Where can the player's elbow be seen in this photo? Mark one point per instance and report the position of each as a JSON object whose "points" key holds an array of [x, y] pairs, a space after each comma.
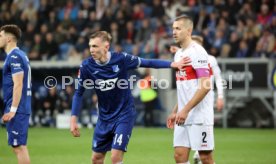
{"points": [[208, 88], [206, 85]]}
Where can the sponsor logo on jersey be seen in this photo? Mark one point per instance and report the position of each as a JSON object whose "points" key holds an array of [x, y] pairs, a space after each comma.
{"points": [[16, 64], [202, 61], [133, 57], [204, 145], [13, 56], [115, 68], [106, 85]]}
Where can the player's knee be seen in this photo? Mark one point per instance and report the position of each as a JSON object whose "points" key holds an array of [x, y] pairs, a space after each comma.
{"points": [[178, 157], [116, 159], [22, 154], [206, 157], [17, 150], [97, 159]]}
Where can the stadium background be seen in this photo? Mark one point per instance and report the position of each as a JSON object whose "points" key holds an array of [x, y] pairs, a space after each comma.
{"points": [[240, 33]]}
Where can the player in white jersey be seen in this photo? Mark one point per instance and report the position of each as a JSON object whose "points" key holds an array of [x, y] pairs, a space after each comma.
{"points": [[215, 72], [215, 75], [193, 116]]}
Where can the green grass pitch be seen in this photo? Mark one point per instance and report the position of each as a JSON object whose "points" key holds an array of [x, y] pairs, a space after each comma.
{"points": [[147, 146]]}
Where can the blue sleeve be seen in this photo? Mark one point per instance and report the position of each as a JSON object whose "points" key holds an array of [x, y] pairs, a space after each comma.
{"points": [[16, 64], [77, 98], [131, 61], [155, 63]]}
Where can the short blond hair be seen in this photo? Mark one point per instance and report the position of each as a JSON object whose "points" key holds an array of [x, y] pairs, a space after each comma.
{"points": [[104, 35], [187, 19]]}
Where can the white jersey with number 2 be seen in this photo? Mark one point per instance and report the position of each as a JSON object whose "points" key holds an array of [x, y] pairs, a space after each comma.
{"points": [[187, 84]]}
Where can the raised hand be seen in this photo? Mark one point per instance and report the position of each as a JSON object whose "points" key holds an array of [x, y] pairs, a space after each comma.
{"points": [[182, 63]]}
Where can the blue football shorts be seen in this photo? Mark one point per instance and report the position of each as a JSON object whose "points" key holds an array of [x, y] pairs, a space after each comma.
{"points": [[115, 135], [17, 129]]}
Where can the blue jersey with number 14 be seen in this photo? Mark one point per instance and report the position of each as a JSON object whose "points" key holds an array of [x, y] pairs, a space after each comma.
{"points": [[17, 62]]}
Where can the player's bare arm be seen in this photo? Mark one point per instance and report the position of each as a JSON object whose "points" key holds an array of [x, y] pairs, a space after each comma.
{"points": [[204, 88], [171, 117], [17, 93]]}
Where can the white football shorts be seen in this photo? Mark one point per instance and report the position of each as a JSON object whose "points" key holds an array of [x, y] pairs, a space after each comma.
{"points": [[196, 137]]}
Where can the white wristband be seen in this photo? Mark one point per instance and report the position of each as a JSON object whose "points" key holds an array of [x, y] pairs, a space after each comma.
{"points": [[13, 109], [220, 96]]}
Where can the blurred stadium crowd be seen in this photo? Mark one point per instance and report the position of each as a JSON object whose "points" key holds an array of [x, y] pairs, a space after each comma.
{"points": [[59, 30]]}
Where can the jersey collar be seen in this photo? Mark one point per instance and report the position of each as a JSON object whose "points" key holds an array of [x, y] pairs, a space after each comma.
{"points": [[12, 50], [108, 56]]}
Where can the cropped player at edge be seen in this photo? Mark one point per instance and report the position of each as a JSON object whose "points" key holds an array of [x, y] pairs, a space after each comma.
{"points": [[16, 92], [116, 106]]}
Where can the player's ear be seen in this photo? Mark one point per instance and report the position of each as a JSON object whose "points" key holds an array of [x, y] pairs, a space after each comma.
{"points": [[190, 30], [107, 46], [9, 38]]}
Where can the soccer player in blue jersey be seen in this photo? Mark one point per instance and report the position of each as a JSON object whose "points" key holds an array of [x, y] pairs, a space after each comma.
{"points": [[16, 91], [107, 70]]}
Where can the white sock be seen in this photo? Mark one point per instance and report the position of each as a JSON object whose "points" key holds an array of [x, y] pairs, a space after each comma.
{"points": [[120, 162], [196, 155]]}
